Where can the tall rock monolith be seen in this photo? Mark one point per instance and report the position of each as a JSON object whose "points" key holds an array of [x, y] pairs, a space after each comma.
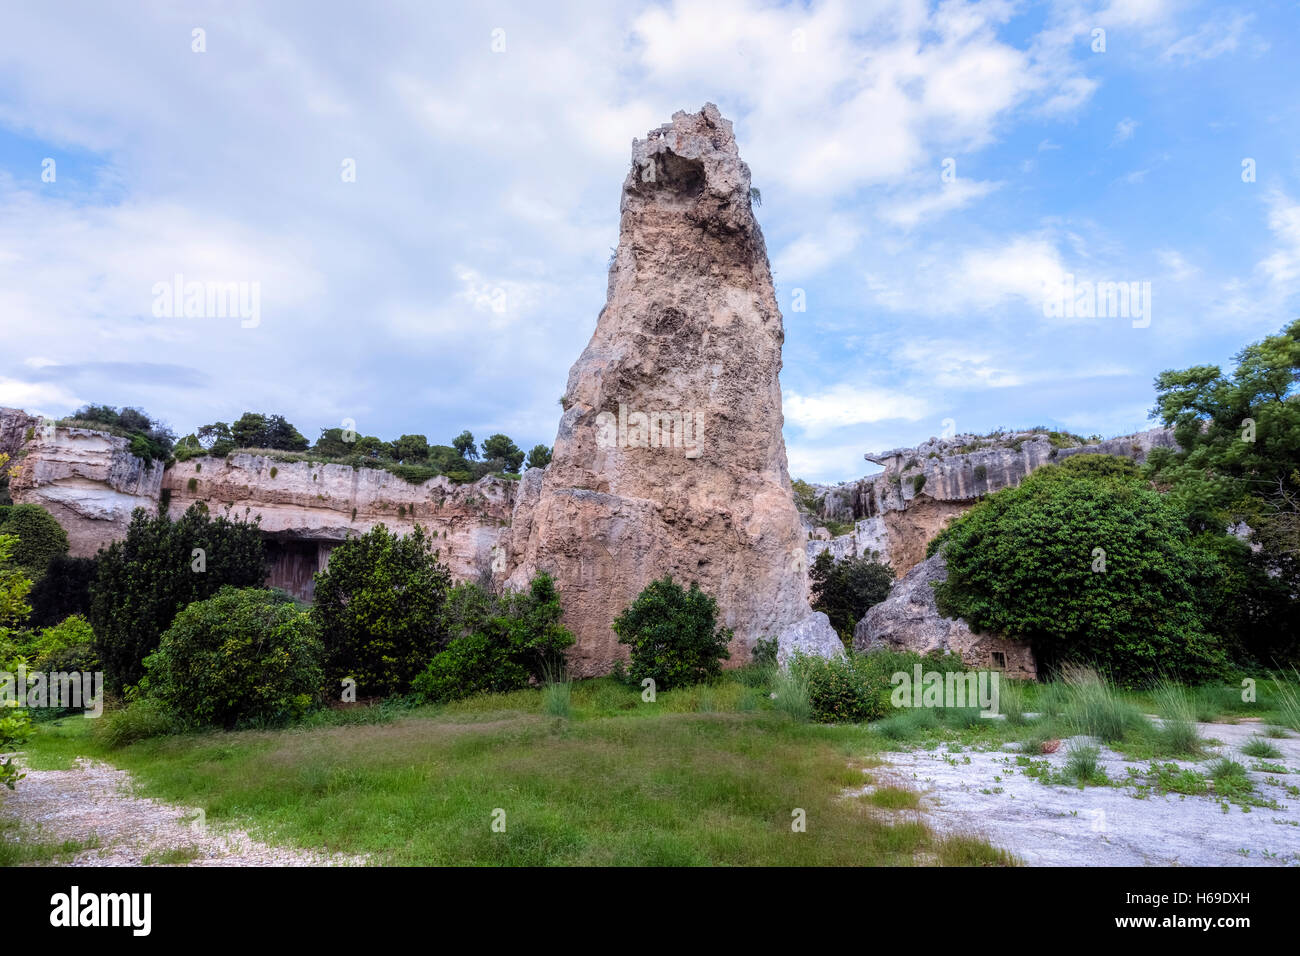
{"points": [[669, 457]]}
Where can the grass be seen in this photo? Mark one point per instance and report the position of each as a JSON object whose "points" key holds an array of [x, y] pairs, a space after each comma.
{"points": [[704, 776], [176, 856], [1096, 709], [1177, 732], [24, 851], [1081, 766], [1288, 701], [1259, 747], [894, 798]]}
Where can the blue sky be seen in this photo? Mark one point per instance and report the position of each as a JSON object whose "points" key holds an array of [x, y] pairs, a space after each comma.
{"points": [[455, 281]]}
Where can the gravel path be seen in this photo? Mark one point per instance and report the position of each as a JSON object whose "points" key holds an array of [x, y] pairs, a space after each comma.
{"points": [[988, 794], [95, 805]]}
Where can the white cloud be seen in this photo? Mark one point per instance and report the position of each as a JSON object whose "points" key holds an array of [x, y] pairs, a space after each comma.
{"points": [[1124, 130], [948, 198], [1215, 37], [847, 404]]}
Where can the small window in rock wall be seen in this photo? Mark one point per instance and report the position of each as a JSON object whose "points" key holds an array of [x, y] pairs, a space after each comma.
{"points": [[999, 660]]}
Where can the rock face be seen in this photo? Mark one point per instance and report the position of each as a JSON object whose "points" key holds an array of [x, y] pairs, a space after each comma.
{"points": [[91, 483], [669, 457], [307, 508], [896, 512], [88, 480], [909, 619], [812, 636]]}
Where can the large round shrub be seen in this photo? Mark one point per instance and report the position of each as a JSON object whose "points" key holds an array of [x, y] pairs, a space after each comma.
{"points": [[244, 656], [1087, 563], [379, 607], [41, 539], [673, 635]]}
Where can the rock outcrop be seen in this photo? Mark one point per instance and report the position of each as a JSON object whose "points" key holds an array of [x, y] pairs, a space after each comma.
{"points": [[307, 508], [669, 457], [811, 636], [91, 483], [909, 619], [88, 480], [896, 512]]}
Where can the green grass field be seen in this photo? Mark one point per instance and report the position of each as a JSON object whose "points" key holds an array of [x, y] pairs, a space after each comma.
{"points": [[706, 775]]}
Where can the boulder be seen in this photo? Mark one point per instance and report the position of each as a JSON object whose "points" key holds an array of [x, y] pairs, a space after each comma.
{"points": [[812, 636], [909, 619]]}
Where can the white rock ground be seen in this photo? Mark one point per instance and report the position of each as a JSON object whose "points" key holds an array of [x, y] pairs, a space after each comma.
{"points": [[94, 803], [986, 793]]}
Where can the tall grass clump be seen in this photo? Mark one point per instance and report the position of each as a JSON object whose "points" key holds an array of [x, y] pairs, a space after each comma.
{"points": [[1081, 763], [1096, 709], [1011, 701], [1288, 700], [790, 692], [557, 694], [1177, 709]]}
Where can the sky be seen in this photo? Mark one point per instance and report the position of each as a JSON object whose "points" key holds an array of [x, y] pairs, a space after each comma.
{"points": [[423, 198]]}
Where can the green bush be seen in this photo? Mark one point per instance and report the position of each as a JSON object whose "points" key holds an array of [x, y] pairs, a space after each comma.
{"points": [[67, 646], [845, 590], [673, 635], [147, 577], [241, 657], [41, 539], [15, 726], [498, 644], [63, 591], [1021, 563], [379, 607], [841, 690]]}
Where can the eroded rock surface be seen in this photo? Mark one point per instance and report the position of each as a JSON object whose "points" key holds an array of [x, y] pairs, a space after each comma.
{"points": [[669, 457], [909, 619]]}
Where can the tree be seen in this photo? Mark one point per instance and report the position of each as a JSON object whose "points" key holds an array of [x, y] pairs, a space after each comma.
{"points": [[411, 448], [379, 607], [1087, 563], [41, 538], [63, 591], [673, 635], [159, 567], [500, 448], [1237, 464], [464, 445], [539, 457], [845, 590], [217, 439], [255, 430], [331, 444]]}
